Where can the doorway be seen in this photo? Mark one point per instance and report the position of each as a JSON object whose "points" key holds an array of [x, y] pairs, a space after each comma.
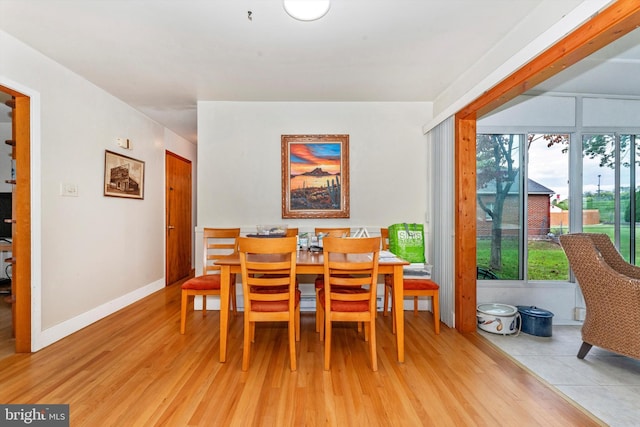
{"points": [[178, 217]]}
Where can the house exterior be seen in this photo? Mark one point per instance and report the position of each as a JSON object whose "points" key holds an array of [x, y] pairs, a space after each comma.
{"points": [[538, 205]]}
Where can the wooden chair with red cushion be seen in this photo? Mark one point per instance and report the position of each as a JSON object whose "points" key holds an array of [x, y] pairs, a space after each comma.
{"points": [[350, 289], [269, 287], [319, 282], [417, 287], [217, 242], [413, 287]]}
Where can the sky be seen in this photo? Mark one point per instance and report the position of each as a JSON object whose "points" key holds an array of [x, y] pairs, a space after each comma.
{"points": [[549, 166], [304, 157]]}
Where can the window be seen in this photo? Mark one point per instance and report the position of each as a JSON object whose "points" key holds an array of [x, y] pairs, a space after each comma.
{"points": [[522, 209], [611, 196], [499, 197]]}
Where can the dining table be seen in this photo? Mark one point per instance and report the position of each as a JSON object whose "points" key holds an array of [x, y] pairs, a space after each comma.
{"points": [[310, 262]]}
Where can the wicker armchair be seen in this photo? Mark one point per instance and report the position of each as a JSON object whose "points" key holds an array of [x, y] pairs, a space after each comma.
{"points": [[612, 298], [611, 255]]}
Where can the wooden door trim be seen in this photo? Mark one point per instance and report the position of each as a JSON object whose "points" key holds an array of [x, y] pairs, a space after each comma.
{"points": [[615, 21], [21, 246]]}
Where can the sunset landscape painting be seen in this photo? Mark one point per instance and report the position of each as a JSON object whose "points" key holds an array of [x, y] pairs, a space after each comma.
{"points": [[315, 176]]}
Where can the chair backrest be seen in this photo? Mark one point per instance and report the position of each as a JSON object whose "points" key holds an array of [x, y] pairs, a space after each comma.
{"points": [[268, 265], [218, 242], [292, 232], [588, 265], [334, 232], [384, 238], [351, 263], [611, 255]]}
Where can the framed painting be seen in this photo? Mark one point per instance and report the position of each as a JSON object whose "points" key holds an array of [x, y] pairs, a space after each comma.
{"points": [[315, 176], [123, 176]]}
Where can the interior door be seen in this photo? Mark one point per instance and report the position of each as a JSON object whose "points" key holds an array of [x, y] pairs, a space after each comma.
{"points": [[178, 217]]}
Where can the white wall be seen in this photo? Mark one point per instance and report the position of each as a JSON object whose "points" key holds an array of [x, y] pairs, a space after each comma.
{"points": [[91, 254], [240, 165]]}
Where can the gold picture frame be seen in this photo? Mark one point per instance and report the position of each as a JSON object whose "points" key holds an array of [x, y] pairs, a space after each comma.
{"points": [[315, 176], [123, 176]]}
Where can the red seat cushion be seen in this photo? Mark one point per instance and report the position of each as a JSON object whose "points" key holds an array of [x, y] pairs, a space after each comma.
{"points": [[420, 285], [206, 282], [346, 306], [274, 306]]}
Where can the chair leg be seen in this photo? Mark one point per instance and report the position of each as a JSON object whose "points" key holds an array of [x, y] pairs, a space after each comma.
{"points": [[234, 303], [320, 324], [319, 318], [297, 323], [204, 305], [327, 343], [372, 344], [435, 306], [415, 306], [584, 349], [393, 313], [183, 312], [246, 351], [386, 301], [292, 341]]}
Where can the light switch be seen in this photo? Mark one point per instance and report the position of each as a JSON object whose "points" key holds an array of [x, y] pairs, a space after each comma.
{"points": [[69, 190]]}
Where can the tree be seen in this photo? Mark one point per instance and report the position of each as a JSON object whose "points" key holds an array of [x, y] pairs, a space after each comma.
{"points": [[496, 166]]}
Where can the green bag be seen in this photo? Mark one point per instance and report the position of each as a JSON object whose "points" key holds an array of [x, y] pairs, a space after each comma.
{"points": [[407, 241]]}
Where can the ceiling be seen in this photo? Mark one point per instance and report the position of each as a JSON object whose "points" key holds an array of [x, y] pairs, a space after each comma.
{"points": [[163, 56]]}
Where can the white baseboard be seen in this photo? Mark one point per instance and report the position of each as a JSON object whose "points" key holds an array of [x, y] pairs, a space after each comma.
{"points": [[66, 328]]}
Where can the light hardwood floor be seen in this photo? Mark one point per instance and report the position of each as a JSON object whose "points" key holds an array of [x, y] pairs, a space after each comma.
{"points": [[7, 342], [135, 369]]}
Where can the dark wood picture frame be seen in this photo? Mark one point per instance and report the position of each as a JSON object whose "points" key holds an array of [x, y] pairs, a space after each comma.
{"points": [[123, 176], [315, 176]]}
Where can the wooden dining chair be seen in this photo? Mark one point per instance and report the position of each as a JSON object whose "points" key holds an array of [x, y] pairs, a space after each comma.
{"points": [[350, 289], [292, 232], [319, 281], [412, 287], [268, 283], [217, 242], [417, 287]]}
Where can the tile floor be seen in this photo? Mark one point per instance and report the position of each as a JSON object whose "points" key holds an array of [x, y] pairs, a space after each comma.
{"points": [[604, 383]]}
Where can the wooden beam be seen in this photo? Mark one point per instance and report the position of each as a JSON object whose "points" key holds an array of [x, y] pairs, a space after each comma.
{"points": [[465, 226], [612, 23], [22, 230]]}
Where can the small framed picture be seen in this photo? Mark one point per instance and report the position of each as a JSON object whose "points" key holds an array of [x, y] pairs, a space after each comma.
{"points": [[123, 176], [315, 176]]}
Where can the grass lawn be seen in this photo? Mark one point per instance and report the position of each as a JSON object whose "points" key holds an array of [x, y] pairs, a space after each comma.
{"points": [[547, 260]]}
